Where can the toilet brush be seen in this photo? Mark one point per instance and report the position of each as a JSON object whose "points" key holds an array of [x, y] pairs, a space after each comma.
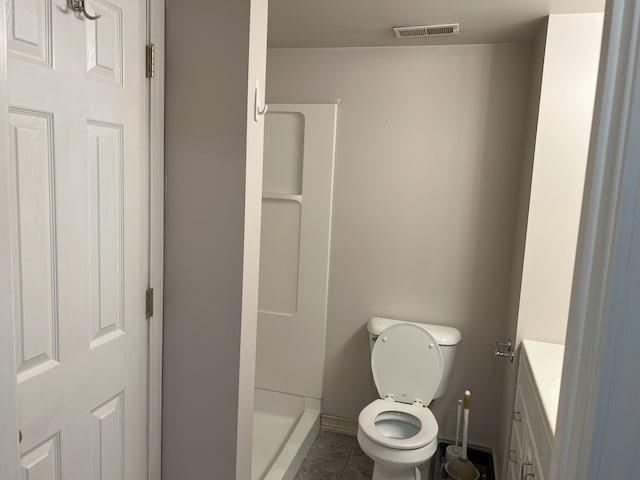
{"points": [[454, 451], [461, 468]]}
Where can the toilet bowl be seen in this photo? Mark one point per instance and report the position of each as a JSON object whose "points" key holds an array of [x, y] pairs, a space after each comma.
{"points": [[398, 431], [397, 437]]}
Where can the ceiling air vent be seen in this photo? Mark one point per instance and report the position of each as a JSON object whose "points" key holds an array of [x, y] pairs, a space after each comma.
{"points": [[427, 31]]}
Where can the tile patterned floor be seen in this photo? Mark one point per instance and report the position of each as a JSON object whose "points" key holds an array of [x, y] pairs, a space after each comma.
{"points": [[338, 457]]}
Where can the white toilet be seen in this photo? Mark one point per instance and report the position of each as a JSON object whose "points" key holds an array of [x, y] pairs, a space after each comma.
{"points": [[411, 365]]}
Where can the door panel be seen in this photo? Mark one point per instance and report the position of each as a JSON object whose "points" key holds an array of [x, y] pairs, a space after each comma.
{"points": [[79, 229], [515, 454], [104, 43], [43, 461], [30, 30], [104, 155], [107, 440], [36, 316]]}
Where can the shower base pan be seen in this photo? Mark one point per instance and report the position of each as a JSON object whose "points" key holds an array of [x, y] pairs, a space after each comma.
{"points": [[284, 428]]}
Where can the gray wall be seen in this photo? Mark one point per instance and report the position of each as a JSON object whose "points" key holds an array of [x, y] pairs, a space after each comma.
{"points": [[213, 168], [427, 180]]}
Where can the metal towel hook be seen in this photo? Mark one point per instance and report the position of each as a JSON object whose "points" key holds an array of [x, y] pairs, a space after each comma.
{"points": [[78, 7], [259, 111]]}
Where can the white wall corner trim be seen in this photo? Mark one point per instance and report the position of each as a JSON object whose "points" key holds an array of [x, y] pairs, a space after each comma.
{"points": [[8, 422], [257, 57], [600, 387]]}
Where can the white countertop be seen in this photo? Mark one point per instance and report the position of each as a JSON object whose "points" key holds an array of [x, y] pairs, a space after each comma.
{"points": [[545, 360]]}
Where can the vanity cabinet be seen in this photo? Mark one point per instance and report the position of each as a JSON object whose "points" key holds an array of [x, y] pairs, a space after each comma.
{"points": [[529, 454]]}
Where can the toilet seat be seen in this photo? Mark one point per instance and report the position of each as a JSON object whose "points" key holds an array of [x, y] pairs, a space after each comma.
{"points": [[427, 433]]}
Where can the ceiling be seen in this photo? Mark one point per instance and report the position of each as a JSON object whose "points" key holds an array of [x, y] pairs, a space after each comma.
{"points": [[356, 23]]}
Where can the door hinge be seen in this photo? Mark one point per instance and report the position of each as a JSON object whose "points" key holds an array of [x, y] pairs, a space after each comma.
{"points": [[150, 60], [149, 303]]}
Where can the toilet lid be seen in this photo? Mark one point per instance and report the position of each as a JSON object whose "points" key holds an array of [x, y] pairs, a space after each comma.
{"points": [[407, 363]]}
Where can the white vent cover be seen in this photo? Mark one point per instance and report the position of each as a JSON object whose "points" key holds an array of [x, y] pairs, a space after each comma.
{"points": [[427, 31]]}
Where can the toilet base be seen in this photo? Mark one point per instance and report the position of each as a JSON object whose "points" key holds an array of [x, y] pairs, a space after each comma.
{"points": [[392, 464], [380, 472]]}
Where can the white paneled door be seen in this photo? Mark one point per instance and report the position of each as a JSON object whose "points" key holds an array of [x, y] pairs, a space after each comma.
{"points": [[79, 229]]}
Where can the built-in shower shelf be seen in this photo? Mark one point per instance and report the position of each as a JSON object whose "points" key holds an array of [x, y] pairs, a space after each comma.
{"points": [[282, 196]]}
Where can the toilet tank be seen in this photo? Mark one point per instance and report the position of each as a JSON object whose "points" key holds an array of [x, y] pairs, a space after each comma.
{"points": [[448, 339]]}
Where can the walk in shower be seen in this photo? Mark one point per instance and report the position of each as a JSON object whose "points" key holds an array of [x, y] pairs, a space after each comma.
{"points": [[294, 273]]}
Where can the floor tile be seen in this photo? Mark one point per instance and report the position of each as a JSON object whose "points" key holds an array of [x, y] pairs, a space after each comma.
{"points": [[333, 447], [425, 470], [334, 456], [360, 460], [319, 469], [354, 472]]}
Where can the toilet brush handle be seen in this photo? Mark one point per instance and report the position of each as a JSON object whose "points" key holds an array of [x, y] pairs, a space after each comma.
{"points": [[465, 434], [458, 418], [465, 425]]}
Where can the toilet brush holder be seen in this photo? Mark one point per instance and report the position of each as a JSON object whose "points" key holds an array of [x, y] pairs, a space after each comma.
{"points": [[452, 452], [455, 451]]}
